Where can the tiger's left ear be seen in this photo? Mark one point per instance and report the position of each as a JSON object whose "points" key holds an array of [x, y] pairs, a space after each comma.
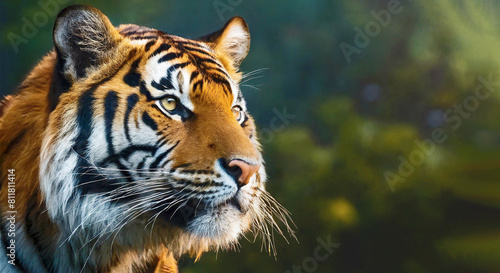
{"points": [[84, 38], [232, 40]]}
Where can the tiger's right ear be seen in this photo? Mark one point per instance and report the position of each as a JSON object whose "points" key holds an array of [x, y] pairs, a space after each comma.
{"points": [[83, 38]]}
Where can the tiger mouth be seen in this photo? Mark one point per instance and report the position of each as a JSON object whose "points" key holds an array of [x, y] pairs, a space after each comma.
{"points": [[184, 213], [234, 202]]}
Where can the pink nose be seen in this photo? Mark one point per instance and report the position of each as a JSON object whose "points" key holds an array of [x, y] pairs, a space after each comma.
{"points": [[247, 170]]}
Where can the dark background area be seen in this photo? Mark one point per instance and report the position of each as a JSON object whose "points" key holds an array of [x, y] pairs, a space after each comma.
{"points": [[350, 164]]}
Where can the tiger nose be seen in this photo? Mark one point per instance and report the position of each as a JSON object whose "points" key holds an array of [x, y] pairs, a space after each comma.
{"points": [[242, 170]]}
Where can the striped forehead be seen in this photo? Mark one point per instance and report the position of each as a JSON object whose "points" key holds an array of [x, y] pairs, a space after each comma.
{"points": [[181, 67], [163, 77]]}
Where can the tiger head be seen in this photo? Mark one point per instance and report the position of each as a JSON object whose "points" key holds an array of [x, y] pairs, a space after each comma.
{"points": [[149, 138]]}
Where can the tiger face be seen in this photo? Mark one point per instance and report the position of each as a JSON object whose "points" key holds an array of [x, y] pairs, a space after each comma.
{"points": [[149, 138]]}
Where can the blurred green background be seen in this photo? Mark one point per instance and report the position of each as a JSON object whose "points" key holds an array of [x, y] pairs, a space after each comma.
{"points": [[348, 160]]}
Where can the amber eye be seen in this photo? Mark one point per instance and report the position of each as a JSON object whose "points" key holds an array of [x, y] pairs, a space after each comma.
{"points": [[238, 113], [169, 104]]}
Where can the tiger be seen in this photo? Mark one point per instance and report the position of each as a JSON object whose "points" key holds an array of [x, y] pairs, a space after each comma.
{"points": [[127, 147]]}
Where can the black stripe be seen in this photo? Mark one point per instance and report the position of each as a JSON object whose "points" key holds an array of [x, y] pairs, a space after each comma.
{"points": [[87, 173], [102, 185], [225, 84], [143, 37], [219, 79], [197, 45], [127, 152], [160, 49], [244, 122], [84, 120], [131, 102], [218, 66], [59, 84], [149, 121], [240, 97], [207, 60], [162, 156], [199, 184], [139, 32], [205, 172], [123, 170], [170, 56], [212, 70], [141, 164], [144, 90], [110, 105], [166, 82], [176, 66], [148, 45], [199, 50], [162, 140], [198, 84], [193, 76], [132, 78]]}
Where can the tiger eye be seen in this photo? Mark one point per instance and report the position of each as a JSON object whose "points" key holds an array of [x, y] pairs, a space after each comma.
{"points": [[237, 112], [169, 104]]}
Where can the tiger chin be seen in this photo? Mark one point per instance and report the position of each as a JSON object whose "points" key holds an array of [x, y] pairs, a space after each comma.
{"points": [[130, 147]]}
